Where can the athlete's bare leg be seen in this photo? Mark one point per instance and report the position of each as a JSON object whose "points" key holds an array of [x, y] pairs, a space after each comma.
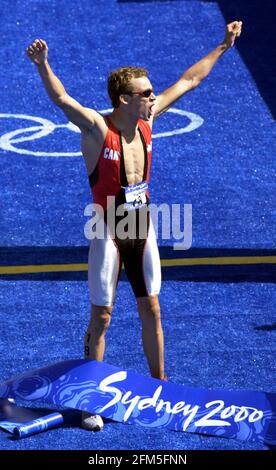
{"points": [[94, 346], [152, 334], [94, 342]]}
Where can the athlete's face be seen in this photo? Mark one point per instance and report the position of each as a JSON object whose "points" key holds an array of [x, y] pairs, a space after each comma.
{"points": [[141, 98]]}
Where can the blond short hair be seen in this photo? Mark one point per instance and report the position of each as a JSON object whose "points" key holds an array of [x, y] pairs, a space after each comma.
{"points": [[119, 80]]}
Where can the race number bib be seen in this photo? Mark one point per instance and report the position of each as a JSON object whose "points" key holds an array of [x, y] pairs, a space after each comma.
{"points": [[136, 196]]}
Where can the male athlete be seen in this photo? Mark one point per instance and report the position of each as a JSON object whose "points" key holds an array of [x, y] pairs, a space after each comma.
{"points": [[117, 153]]}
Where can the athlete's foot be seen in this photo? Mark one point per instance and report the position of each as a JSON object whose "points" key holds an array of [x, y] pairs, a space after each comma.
{"points": [[91, 422]]}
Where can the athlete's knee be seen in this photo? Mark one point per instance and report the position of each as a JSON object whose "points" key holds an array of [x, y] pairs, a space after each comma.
{"points": [[100, 319], [154, 312], [149, 309]]}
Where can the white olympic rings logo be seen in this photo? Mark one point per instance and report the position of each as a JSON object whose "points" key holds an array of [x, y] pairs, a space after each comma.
{"points": [[46, 127]]}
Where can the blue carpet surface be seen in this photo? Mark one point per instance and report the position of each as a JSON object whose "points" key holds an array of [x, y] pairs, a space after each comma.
{"points": [[217, 336]]}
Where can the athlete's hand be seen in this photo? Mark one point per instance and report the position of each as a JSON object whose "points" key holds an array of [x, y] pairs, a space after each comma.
{"points": [[233, 31], [37, 51]]}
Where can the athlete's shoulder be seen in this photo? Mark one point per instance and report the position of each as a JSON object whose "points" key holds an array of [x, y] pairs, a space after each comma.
{"points": [[98, 120], [146, 126], [95, 115]]}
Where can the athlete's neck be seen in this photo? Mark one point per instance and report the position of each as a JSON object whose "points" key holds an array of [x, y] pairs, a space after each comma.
{"points": [[125, 123]]}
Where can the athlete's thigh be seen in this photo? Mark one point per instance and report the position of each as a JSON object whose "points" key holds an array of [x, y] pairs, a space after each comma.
{"points": [[151, 263], [142, 265], [103, 270]]}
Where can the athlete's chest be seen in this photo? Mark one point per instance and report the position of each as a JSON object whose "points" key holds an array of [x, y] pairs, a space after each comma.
{"points": [[134, 157]]}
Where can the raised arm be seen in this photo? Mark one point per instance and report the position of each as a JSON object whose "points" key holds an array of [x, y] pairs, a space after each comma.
{"points": [[84, 118], [195, 74]]}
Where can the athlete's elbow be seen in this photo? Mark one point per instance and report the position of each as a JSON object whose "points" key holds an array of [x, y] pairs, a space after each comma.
{"points": [[60, 100], [189, 83], [195, 81]]}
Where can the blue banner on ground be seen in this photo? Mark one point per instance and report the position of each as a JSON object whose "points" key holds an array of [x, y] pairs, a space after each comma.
{"points": [[24, 422], [128, 397]]}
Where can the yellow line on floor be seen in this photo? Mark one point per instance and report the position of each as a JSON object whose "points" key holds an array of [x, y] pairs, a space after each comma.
{"points": [[43, 268], [229, 260], [219, 260]]}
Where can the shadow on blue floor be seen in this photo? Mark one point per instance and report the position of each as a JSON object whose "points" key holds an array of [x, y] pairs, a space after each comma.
{"points": [[255, 45]]}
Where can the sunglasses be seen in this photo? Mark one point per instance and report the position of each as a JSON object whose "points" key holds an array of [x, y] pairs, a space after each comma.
{"points": [[145, 94]]}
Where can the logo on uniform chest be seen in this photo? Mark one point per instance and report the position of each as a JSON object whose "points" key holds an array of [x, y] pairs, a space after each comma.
{"points": [[111, 154]]}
